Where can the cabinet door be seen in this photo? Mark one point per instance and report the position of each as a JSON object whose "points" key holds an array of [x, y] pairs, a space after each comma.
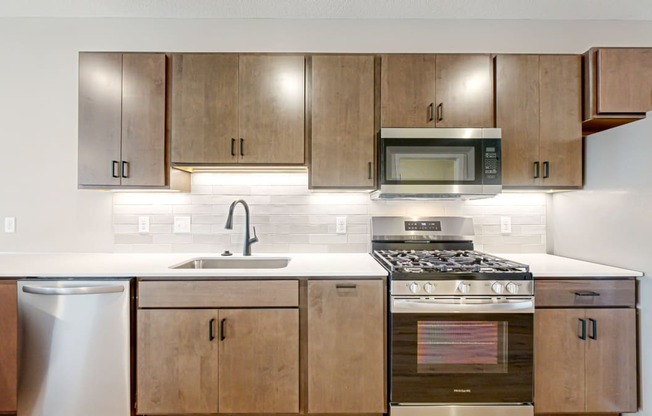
{"points": [[271, 109], [346, 355], [177, 361], [143, 119], [561, 120], [464, 91], [8, 346], [259, 361], [100, 115], [408, 90], [204, 108], [559, 383], [611, 361], [517, 114], [342, 119], [624, 80]]}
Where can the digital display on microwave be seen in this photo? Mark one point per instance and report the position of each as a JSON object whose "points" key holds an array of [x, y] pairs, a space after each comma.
{"points": [[422, 225]]}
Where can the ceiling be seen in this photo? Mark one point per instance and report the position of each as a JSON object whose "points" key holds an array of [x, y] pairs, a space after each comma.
{"points": [[335, 9]]}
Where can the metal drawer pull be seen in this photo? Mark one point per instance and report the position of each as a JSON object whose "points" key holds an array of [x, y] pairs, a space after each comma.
{"points": [[232, 146], [440, 112], [431, 112], [241, 146], [346, 286], [370, 165], [594, 329], [582, 334], [211, 329], [116, 169], [546, 169], [222, 324], [125, 169], [586, 293], [536, 170]]}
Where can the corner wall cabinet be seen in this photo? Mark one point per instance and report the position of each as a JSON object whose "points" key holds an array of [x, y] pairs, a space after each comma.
{"points": [[437, 91], [342, 124], [122, 107], [617, 87], [538, 108], [230, 108], [8, 346], [585, 346]]}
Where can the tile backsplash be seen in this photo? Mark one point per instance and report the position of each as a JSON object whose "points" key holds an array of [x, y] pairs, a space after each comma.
{"points": [[289, 218]]}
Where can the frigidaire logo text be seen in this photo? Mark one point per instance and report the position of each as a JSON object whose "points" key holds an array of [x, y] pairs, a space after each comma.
{"points": [[462, 390]]}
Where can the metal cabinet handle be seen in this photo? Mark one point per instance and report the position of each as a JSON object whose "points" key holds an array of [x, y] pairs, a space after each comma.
{"points": [[593, 334], [241, 146], [546, 169], [232, 146], [586, 293], [346, 286], [125, 169], [211, 329], [116, 169], [431, 112], [222, 324], [536, 170], [85, 290], [582, 334], [370, 167], [440, 112]]}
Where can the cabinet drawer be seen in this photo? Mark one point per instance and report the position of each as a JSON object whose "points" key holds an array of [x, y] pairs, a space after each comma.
{"points": [[585, 293], [218, 294]]}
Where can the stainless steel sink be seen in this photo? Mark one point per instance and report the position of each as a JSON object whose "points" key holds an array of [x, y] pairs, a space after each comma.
{"points": [[234, 263]]}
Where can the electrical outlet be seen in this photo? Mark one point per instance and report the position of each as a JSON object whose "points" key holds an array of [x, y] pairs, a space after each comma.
{"points": [[10, 224], [143, 225], [181, 225], [340, 225], [505, 225]]}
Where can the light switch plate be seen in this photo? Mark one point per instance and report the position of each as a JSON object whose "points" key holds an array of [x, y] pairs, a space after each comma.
{"points": [[505, 225], [10, 224], [340, 225], [181, 225], [143, 225]]}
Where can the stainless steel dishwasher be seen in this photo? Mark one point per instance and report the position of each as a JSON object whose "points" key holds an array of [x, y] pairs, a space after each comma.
{"points": [[74, 348]]}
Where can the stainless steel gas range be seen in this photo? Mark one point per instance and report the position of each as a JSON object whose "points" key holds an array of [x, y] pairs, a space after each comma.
{"points": [[461, 321]]}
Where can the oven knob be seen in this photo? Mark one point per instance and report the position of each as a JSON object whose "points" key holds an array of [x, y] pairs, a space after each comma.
{"points": [[414, 287], [464, 287], [429, 287], [497, 287], [512, 288]]}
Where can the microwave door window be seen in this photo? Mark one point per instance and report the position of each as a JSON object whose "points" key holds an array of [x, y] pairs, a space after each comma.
{"points": [[446, 164]]}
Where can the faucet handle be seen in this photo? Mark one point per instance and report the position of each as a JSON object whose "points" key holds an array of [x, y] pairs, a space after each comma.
{"points": [[255, 237]]}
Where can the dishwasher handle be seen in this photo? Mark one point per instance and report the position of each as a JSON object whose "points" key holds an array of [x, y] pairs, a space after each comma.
{"points": [[80, 290]]}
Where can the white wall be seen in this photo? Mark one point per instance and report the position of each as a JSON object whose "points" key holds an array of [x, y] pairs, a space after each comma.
{"points": [[38, 92], [610, 221]]}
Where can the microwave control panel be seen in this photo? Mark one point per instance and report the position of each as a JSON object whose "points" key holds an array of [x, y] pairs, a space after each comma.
{"points": [[492, 162]]}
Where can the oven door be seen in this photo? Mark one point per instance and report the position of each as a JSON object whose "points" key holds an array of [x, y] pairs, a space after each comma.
{"points": [[462, 351]]}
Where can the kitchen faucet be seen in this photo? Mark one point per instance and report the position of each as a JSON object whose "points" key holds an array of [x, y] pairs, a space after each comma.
{"points": [[229, 226]]}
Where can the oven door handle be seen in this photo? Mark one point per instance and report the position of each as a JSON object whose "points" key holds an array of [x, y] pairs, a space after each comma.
{"points": [[521, 305]]}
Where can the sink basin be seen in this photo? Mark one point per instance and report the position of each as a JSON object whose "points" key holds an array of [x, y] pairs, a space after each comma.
{"points": [[234, 263]]}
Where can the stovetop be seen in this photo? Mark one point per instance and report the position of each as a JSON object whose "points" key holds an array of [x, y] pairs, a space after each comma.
{"points": [[446, 264]]}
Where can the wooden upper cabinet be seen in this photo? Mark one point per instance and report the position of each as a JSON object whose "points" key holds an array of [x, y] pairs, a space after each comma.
{"points": [[464, 92], [342, 119], [122, 120], [538, 105], [346, 347], [8, 346], [437, 91], [230, 108], [271, 103], [617, 87], [204, 108]]}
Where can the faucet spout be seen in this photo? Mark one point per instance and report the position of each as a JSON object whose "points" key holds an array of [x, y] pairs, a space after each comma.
{"points": [[229, 226]]}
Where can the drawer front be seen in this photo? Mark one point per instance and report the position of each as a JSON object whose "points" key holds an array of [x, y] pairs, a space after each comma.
{"points": [[218, 294], [585, 293]]}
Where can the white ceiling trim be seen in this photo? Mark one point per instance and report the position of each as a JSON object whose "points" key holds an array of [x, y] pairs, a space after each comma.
{"points": [[334, 9]]}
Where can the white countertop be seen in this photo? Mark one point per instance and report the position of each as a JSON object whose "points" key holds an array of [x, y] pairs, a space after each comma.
{"points": [[547, 265], [358, 265]]}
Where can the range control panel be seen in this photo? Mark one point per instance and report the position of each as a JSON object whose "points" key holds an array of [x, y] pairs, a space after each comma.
{"points": [[422, 225]]}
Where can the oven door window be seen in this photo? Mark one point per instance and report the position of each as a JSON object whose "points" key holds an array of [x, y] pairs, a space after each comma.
{"points": [[432, 161], [461, 358]]}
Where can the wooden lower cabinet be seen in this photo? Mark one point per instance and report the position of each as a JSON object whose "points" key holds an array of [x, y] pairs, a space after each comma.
{"points": [[207, 361], [585, 360], [346, 346], [8, 345]]}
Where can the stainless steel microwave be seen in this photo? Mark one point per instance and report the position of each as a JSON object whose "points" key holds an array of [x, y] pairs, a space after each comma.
{"points": [[439, 163]]}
